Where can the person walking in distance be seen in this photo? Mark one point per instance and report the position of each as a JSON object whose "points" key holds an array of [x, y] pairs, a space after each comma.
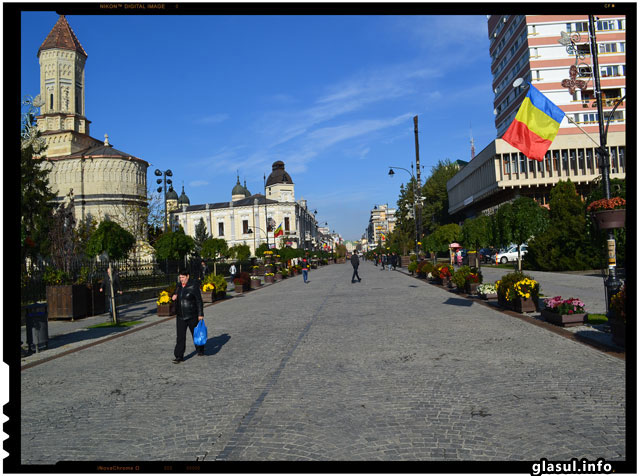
{"points": [[355, 262], [232, 271], [394, 260], [189, 310], [305, 268]]}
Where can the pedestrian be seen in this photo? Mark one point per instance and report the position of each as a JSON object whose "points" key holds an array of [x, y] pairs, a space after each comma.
{"points": [[389, 261], [394, 260], [355, 262], [189, 311], [305, 268], [232, 271], [459, 257], [204, 270], [106, 287], [383, 262]]}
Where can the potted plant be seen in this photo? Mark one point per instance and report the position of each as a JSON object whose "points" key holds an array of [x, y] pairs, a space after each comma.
{"points": [[459, 277], [255, 282], [617, 316], [269, 277], [284, 273], [472, 280], [608, 212], [221, 286], [518, 291], [443, 273], [487, 291], [65, 299], [563, 312], [208, 289], [412, 267], [166, 306]]}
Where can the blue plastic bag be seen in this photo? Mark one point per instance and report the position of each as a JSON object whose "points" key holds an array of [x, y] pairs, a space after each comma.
{"points": [[200, 333]]}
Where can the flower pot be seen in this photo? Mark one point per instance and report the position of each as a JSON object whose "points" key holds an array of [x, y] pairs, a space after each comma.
{"points": [[238, 288], [208, 296], [471, 288], [67, 301], [606, 219], [255, 283], [269, 279], [167, 310], [489, 297], [521, 304], [564, 320], [279, 276], [618, 331]]}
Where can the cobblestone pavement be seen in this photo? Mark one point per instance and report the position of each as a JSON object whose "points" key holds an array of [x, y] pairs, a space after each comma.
{"points": [[387, 369]]}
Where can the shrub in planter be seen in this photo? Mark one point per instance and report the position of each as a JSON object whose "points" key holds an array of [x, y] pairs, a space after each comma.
{"points": [[487, 291], [515, 287], [412, 267], [443, 272], [459, 277], [563, 312]]}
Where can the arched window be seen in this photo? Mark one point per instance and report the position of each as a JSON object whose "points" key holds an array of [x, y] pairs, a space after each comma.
{"points": [[51, 101]]}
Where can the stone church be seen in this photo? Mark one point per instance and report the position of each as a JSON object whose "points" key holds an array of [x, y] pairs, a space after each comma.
{"points": [[106, 182]]}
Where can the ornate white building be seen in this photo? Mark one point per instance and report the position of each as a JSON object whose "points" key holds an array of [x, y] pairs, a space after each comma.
{"points": [[106, 183], [245, 218]]}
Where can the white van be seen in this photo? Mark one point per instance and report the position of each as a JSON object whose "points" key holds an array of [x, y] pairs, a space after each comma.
{"points": [[511, 254]]}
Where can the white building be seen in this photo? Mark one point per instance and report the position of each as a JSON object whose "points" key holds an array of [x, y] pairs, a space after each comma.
{"points": [[382, 222], [252, 219], [526, 46]]}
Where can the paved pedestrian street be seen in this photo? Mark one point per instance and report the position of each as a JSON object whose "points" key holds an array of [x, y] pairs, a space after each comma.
{"points": [[387, 369]]}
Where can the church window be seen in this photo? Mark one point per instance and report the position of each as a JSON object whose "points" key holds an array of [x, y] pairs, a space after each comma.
{"points": [[51, 101], [245, 226], [286, 223], [221, 229]]}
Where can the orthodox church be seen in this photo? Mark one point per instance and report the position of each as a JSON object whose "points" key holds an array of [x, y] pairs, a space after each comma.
{"points": [[105, 182], [253, 219]]}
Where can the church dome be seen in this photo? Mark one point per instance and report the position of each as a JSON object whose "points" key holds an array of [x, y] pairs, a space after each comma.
{"points": [[183, 199], [278, 174], [172, 195], [238, 189], [247, 193]]}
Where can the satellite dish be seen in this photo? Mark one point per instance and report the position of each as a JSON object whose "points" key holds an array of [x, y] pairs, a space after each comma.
{"points": [[37, 101], [518, 82]]}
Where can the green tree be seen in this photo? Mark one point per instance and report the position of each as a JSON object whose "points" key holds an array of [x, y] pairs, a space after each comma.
{"points": [[435, 211], [112, 239], [173, 245], [214, 248], [476, 232], [201, 235], [36, 206], [527, 220], [563, 245], [240, 252], [501, 224], [261, 249], [443, 236]]}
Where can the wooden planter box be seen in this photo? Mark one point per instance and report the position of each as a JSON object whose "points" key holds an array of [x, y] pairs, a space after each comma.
{"points": [[67, 301], [489, 297], [521, 304], [239, 288], [220, 295], [606, 219], [208, 296], [167, 309], [269, 279], [279, 276], [255, 283], [471, 288], [564, 320]]}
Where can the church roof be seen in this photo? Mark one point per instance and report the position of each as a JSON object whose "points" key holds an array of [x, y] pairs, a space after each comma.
{"points": [[183, 199], [172, 194], [278, 174], [245, 202], [62, 37], [101, 151]]}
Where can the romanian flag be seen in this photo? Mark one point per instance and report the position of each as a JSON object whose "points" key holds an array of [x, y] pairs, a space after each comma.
{"points": [[279, 231], [535, 126]]}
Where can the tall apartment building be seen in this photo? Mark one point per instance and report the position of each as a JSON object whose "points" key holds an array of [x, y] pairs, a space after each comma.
{"points": [[528, 47], [382, 221]]}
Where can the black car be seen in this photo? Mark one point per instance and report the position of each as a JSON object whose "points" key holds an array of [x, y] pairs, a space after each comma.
{"points": [[487, 254]]}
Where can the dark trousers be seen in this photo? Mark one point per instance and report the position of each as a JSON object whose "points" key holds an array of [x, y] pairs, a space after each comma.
{"points": [[181, 333], [355, 275]]}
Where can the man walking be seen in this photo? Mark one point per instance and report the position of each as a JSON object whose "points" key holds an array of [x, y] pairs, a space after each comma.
{"points": [[305, 268], [355, 262], [189, 310]]}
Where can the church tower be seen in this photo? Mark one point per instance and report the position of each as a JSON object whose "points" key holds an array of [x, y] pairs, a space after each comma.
{"points": [[62, 118]]}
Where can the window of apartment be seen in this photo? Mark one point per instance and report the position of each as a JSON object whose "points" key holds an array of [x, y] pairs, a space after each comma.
{"points": [[606, 71], [589, 155], [603, 25], [581, 161], [523, 163], [286, 223], [617, 116], [221, 229], [579, 26], [608, 48], [506, 164], [621, 157], [547, 161], [565, 161], [590, 117], [613, 152], [540, 166], [622, 46], [556, 160], [584, 49], [245, 226], [514, 162]]}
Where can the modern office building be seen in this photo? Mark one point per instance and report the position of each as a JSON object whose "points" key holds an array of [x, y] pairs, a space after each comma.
{"points": [[528, 47]]}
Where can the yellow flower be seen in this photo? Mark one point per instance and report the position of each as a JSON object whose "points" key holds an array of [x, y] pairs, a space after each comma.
{"points": [[164, 298], [208, 287]]}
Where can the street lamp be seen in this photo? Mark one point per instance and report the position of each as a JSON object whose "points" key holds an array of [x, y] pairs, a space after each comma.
{"points": [[415, 200], [165, 180]]}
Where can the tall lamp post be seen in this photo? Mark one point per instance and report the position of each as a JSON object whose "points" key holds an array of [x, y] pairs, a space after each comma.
{"points": [[165, 180], [415, 199]]}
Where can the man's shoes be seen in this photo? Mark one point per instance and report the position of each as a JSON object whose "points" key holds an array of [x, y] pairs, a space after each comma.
{"points": [[359, 280], [201, 353], [178, 360]]}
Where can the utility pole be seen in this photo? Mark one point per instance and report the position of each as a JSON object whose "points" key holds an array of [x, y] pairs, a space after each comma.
{"points": [[419, 196]]}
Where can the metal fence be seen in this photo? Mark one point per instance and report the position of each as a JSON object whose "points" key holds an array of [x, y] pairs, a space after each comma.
{"points": [[134, 274]]}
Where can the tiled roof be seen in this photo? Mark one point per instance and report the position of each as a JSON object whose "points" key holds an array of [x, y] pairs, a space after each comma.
{"points": [[102, 151], [62, 36]]}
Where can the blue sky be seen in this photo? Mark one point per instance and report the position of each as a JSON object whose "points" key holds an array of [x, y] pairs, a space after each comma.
{"points": [[333, 97]]}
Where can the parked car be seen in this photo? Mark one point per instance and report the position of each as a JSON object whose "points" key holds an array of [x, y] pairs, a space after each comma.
{"points": [[487, 254], [510, 254]]}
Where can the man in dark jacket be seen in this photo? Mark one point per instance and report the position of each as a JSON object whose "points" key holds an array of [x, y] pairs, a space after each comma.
{"points": [[355, 262], [189, 310]]}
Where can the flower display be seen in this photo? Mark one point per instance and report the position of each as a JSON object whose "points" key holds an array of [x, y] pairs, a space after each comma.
{"points": [[472, 278], [487, 288], [443, 271], [618, 304], [607, 204], [564, 306], [525, 288], [517, 285], [164, 298], [269, 274], [208, 287]]}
